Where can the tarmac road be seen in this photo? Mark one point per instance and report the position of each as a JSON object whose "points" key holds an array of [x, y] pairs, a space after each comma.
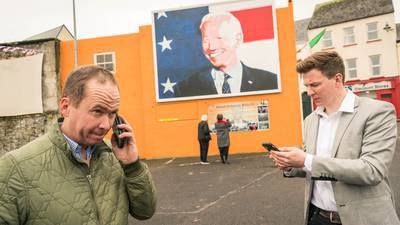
{"points": [[249, 191]]}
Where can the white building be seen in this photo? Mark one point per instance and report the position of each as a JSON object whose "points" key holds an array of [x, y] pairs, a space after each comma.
{"points": [[363, 32]]}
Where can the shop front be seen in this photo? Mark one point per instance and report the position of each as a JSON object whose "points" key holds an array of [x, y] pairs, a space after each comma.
{"points": [[381, 88]]}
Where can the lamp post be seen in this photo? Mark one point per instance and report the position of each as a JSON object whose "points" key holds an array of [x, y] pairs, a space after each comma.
{"points": [[75, 38]]}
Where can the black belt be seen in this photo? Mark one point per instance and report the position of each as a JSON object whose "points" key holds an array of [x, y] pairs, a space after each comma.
{"points": [[331, 215]]}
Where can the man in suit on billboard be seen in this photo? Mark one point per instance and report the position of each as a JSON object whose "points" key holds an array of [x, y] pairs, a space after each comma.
{"points": [[350, 142], [221, 36]]}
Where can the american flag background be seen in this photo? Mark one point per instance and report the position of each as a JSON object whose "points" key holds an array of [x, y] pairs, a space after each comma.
{"points": [[178, 46]]}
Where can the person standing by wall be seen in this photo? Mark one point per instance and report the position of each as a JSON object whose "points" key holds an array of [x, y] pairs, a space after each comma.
{"points": [[203, 133], [222, 126]]}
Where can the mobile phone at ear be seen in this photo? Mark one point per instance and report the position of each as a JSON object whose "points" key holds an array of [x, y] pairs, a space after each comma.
{"points": [[117, 131], [270, 147]]}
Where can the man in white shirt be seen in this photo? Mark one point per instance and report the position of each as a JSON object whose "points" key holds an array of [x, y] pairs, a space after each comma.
{"points": [[221, 37], [349, 146]]}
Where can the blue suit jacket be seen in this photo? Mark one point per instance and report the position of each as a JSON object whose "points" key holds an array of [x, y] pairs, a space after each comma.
{"points": [[201, 83]]}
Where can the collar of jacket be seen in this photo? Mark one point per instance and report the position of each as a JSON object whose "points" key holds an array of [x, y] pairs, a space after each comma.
{"points": [[57, 138]]}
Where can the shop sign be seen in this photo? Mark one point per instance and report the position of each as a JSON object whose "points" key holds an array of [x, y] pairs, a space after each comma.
{"points": [[370, 86]]}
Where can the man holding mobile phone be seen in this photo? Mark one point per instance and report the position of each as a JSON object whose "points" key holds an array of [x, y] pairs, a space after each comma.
{"points": [[71, 175], [350, 144]]}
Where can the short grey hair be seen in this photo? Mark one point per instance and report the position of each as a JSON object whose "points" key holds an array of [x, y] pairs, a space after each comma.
{"points": [[75, 85]]}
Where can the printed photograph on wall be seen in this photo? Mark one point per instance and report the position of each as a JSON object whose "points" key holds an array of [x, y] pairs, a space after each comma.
{"points": [[244, 116], [214, 51]]}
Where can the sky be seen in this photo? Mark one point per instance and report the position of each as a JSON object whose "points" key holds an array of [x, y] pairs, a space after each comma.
{"points": [[20, 19]]}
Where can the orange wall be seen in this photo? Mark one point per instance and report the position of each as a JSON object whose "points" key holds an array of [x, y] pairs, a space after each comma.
{"points": [[135, 73], [128, 63]]}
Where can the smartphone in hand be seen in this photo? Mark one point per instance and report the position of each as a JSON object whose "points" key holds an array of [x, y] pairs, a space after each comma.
{"points": [[117, 131], [270, 147]]}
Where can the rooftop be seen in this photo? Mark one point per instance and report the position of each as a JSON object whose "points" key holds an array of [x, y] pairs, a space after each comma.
{"points": [[339, 11], [61, 33]]}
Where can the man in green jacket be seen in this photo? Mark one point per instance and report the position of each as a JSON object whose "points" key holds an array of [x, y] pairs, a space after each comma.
{"points": [[70, 175]]}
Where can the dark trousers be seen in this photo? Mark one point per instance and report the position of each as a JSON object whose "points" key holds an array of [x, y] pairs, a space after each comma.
{"points": [[223, 153], [314, 218], [203, 150]]}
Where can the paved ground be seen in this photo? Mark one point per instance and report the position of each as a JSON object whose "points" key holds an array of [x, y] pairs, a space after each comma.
{"points": [[249, 191]]}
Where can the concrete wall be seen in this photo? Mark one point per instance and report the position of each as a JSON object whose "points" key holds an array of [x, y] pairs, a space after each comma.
{"points": [[16, 131]]}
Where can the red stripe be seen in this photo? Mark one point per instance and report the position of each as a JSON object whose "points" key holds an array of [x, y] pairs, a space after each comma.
{"points": [[257, 23]]}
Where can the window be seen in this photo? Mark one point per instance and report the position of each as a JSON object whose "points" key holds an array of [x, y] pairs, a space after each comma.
{"points": [[105, 60], [386, 96], [349, 35], [372, 30], [352, 67], [327, 40], [375, 64]]}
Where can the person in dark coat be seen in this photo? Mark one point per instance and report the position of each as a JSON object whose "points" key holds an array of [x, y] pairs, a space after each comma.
{"points": [[204, 137], [223, 126]]}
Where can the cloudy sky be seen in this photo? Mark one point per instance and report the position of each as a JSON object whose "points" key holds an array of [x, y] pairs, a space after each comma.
{"points": [[20, 19]]}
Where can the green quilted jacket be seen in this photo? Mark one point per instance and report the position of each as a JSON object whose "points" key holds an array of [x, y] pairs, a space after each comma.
{"points": [[43, 183]]}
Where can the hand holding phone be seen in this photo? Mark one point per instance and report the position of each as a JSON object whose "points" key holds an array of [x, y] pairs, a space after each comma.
{"points": [[270, 147], [117, 131]]}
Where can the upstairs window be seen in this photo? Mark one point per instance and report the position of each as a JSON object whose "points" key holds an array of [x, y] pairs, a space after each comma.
{"points": [[372, 31], [349, 37], [375, 64], [352, 67], [105, 60], [327, 40]]}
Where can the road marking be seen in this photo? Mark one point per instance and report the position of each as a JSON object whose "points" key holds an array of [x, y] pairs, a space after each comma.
{"points": [[189, 164], [232, 192], [219, 161], [169, 161]]}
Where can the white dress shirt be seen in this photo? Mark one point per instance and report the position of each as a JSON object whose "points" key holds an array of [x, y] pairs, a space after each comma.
{"points": [[323, 196], [235, 80]]}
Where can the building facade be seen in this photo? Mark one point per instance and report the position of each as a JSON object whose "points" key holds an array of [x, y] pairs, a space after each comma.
{"points": [[19, 129], [169, 129], [363, 32]]}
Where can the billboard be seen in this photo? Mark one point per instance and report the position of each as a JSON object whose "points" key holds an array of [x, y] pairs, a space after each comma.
{"points": [[218, 50], [244, 116]]}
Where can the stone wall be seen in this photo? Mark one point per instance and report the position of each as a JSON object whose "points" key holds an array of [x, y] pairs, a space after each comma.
{"points": [[16, 131]]}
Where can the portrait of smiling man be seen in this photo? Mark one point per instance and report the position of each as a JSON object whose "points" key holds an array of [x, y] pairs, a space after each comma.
{"points": [[222, 35]]}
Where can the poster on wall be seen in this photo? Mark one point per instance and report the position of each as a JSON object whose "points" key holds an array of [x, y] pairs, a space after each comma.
{"points": [[244, 116], [217, 50]]}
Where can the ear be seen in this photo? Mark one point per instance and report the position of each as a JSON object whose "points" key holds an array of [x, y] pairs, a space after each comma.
{"points": [[65, 104], [239, 39], [339, 78]]}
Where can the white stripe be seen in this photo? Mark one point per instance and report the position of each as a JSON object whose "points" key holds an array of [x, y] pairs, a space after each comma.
{"points": [[24, 73], [267, 57]]}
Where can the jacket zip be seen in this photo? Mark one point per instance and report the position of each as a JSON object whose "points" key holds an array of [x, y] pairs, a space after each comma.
{"points": [[89, 179]]}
